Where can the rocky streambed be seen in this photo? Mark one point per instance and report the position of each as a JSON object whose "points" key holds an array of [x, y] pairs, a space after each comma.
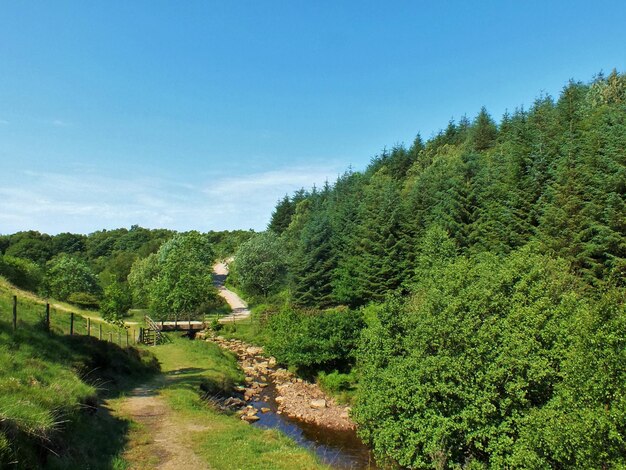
{"points": [[273, 397]]}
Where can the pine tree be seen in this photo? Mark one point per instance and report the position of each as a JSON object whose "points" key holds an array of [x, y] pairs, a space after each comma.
{"points": [[483, 132], [376, 263], [281, 217], [313, 262]]}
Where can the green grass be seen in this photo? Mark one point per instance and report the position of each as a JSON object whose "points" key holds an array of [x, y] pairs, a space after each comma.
{"points": [[248, 330], [342, 387], [225, 441], [136, 315], [49, 388], [190, 364], [31, 311]]}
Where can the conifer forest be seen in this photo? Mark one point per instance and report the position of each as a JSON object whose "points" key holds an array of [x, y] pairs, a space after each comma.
{"points": [[482, 274]]}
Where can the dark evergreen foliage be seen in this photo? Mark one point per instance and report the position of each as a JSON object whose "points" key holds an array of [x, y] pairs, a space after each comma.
{"points": [[554, 174], [491, 261]]}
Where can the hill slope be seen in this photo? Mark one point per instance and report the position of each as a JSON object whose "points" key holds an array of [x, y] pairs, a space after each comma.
{"points": [[50, 385]]}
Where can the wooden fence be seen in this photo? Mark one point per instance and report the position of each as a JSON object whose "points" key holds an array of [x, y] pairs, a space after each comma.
{"points": [[75, 324]]}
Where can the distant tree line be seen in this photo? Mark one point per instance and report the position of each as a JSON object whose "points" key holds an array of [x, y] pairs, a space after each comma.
{"points": [[93, 270]]}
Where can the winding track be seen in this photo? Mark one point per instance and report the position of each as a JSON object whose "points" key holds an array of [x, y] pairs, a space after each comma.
{"points": [[240, 308]]}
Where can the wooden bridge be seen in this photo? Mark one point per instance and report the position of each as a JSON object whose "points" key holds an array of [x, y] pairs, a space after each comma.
{"points": [[152, 333]]}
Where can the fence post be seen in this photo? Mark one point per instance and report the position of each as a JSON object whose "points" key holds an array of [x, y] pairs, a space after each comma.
{"points": [[110, 337], [127, 338], [134, 337], [88, 326], [71, 323], [119, 338], [141, 334], [14, 312], [47, 317], [100, 335]]}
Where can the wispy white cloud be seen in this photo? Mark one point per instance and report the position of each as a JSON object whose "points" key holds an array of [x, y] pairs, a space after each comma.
{"points": [[86, 201], [289, 178], [60, 123]]}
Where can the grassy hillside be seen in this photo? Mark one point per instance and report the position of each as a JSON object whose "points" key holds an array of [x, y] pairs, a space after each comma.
{"points": [[50, 384]]}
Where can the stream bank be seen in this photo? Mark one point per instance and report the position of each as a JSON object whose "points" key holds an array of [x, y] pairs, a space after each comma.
{"points": [[275, 398]]}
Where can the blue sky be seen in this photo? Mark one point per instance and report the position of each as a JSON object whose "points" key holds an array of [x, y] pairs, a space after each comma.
{"points": [[200, 115]]}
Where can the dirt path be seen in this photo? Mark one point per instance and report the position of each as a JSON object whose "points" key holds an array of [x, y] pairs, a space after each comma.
{"points": [[240, 308], [165, 443]]}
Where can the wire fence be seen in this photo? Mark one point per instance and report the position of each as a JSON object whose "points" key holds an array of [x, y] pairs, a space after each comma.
{"points": [[27, 314]]}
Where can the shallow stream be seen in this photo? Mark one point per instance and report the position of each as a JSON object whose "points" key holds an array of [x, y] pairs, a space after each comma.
{"points": [[341, 449]]}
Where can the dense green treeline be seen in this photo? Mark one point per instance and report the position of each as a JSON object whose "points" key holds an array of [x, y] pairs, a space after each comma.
{"points": [[553, 174], [485, 269], [94, 270]]}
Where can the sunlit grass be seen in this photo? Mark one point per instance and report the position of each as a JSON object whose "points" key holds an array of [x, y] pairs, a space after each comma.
{"points": [[223, 441], [49, 384]]}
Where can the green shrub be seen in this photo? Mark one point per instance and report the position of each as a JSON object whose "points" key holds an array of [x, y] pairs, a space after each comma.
{"points": [[22, 273], [84, 300], [315, 340], [495, 363], [336, 381], [215, 325], [341, 386]]}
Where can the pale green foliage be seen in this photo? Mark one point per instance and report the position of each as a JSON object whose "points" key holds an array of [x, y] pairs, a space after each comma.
{"points": [[177, 280], [435, 249], [66, 275], [495, 362], [142, 274], [260, 265], [116, 302]]}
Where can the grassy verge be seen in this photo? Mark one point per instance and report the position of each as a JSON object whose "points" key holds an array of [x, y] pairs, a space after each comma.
{"points": [[50, 384], [249, 330], [225, 442]]}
